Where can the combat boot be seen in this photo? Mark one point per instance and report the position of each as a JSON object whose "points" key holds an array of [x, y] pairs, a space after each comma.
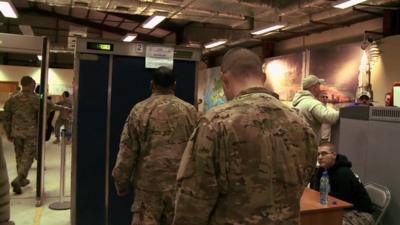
{"points": [[16, 186], [24, 182]]}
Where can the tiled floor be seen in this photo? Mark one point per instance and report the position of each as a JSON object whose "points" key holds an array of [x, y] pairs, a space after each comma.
{"points": [[23, 210]]}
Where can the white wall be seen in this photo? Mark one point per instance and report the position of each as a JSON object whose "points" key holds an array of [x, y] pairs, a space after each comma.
{"points": [[387, 69], [59, 80]]}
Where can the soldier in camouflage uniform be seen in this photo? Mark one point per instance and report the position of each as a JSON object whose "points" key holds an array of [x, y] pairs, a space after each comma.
{"points": [[65, 118], [249, 160], [21, 127], [152, 143]]}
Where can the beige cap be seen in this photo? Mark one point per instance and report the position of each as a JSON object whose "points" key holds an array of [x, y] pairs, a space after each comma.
{"points": [[364, 93], [311, 80]]}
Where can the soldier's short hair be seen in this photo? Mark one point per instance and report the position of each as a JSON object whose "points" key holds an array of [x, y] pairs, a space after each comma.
{"points": [[242, 62], [163, 77], [65, 94], [331, 146], [26, 81]]}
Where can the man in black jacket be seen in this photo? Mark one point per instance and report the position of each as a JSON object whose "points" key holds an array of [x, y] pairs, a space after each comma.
{"points": [[344, 185]]}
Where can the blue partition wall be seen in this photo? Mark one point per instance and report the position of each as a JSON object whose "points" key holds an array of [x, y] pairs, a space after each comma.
{"points": [[130, 84]]}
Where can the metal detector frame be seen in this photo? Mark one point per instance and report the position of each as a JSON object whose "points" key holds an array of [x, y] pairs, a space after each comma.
{"points": [[36, 46], [137, 49]]}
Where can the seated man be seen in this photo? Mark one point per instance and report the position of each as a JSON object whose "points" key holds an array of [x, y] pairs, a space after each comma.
{"points": [[344, 185]]}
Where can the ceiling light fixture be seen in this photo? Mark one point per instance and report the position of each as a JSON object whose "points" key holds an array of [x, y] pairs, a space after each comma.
{"points": [[347, 3], [264, 30], [129, 37], [8, 9], [215, 43], [154, 20], [26, 30]]}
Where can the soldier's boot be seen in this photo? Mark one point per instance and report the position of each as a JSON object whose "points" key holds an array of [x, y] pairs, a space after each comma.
{"points": [[24, 182], [16, 186], [57, 141]]}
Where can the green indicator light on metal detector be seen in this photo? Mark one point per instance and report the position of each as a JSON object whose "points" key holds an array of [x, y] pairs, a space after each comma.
{"points": [[105, 47]]}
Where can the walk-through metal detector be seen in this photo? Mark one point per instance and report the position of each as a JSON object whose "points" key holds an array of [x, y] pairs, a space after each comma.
{"points": [[36, 46], [110, 78]]}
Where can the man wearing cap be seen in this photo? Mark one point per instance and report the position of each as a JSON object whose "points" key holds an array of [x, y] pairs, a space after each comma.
{"points": [[311, 108], [364, 99]]}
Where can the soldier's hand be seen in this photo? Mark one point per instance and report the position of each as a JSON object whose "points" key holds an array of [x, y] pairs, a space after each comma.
{"points": [[122, 193]]}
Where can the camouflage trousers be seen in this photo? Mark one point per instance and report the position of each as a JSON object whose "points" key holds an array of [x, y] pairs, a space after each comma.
{"points": [[67, 126], [4, 190], [153, 208], [355, 217], [25, 152]]}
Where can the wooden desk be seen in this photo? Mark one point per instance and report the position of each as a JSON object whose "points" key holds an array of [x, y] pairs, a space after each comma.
{"points": [[313, 213]]}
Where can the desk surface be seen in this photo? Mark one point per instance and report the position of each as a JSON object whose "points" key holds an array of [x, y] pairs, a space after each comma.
{"points": [[309, 203]]}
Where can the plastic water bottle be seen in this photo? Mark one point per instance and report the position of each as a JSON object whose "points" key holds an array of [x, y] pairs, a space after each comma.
{"points": [[324, 188]]}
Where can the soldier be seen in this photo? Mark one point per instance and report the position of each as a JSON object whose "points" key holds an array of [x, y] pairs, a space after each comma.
{"points": [[65, 118], [249, 160], [20, 124], [152, 142]]}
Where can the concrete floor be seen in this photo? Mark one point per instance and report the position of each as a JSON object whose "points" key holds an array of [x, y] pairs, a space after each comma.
{"points": [[23, 210]]}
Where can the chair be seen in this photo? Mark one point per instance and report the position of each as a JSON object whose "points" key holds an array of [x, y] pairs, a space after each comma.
{"points": [[380, 197]]}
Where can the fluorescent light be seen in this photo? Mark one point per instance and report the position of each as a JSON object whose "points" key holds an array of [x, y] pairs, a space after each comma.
{"points": [[129, 37], [215, 43], [26, 30], [267, 29], [347, 3], [39, 57], [8, 9], [154, 20]]}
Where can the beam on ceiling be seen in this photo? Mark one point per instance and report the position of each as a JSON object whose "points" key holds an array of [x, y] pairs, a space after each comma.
{"points": [[367, 11], [333, 25], [88, 23], [383, 7], [165, 25]]}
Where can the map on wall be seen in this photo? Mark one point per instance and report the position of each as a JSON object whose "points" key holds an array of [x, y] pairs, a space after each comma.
{"points": [[210, 89], [284, 73]]}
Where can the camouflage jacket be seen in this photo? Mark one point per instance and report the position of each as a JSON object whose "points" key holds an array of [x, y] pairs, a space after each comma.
{"points": [[152, 143], [21, 115], [21, 111], [247, 162], [65, 114]]}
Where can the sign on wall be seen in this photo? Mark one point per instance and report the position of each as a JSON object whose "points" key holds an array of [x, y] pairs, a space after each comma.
{"points": [[157, 56]]}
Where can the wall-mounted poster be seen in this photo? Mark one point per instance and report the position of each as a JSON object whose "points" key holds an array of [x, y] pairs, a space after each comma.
{"points": [[340, 67], [210, 89], [285, 74]]}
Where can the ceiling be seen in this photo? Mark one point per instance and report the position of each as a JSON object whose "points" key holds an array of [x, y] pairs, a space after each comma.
{"points": [[190, 22]]}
